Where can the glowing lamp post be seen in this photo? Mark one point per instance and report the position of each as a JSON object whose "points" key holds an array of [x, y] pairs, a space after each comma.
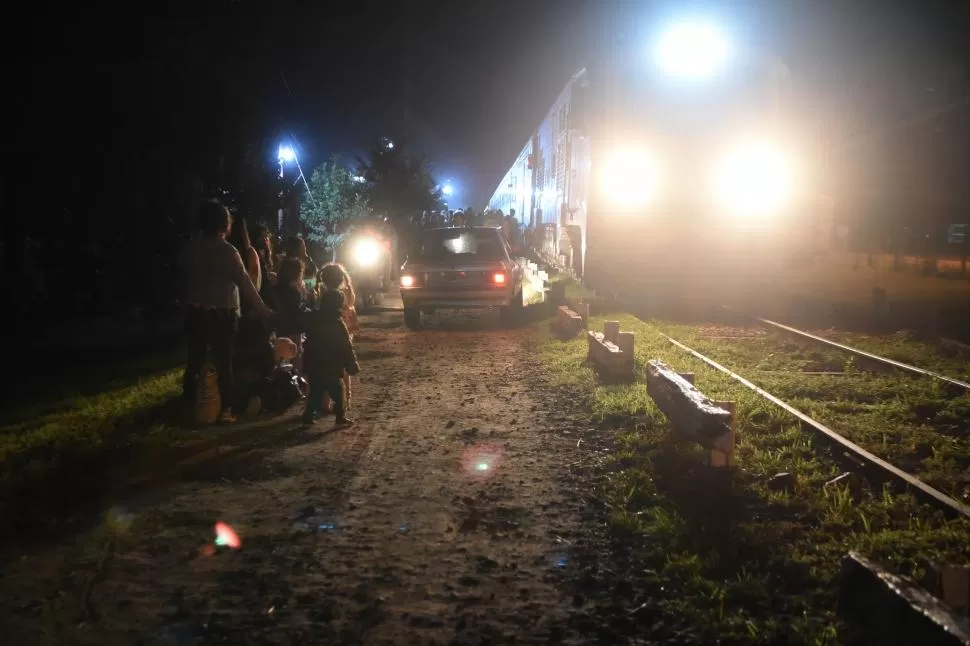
{"points": [[284, 155]]}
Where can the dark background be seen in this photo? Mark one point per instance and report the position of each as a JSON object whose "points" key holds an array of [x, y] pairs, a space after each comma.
{"points": [[121, 118]]}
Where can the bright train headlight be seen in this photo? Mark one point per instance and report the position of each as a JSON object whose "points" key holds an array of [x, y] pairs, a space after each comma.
{"points": [[366, 252], [629, 178], [754, 179]]}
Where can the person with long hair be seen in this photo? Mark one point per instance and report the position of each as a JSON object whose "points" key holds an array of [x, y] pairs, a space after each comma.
{"points": [[289, 299], [263, 244], [335, 278], [329, 358], [295, 247], [239, 238], [215, 277]]}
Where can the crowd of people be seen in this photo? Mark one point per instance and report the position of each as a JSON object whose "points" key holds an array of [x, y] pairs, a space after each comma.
{"points": [[244, 301]]}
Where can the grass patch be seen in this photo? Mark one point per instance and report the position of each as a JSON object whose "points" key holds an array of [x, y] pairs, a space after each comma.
{"points": [[950, 358], [915, 423], [575, 291], [77, 413], [729, 556]]}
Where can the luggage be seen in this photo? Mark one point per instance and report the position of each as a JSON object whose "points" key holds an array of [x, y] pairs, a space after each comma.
{"points": [[208, 403]]}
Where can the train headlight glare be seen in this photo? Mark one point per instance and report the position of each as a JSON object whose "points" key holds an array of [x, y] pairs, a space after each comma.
{"points": [[629, 178], [754, 179], [366, 252]]}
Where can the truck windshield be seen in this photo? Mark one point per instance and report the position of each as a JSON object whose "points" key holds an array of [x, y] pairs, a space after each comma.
{"points": [[444, 245]]}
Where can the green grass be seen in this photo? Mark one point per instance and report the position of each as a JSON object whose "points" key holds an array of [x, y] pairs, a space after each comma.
{"points": [[950, 358], [735, 559], [913, 422], [575, 291], [76, 413]]}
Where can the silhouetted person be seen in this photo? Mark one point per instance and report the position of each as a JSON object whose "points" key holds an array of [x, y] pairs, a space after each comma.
{"points": [[288, 295], [263, 244], [329, 354], [215, 276]]}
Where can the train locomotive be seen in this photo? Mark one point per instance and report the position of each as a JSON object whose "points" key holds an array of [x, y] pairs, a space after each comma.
{"points": [[672, 176]]}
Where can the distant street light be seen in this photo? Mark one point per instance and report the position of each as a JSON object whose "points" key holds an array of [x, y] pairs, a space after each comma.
{"points": [[286, 153]]}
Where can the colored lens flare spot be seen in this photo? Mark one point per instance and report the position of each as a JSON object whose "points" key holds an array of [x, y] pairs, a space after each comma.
{"points": [[226, 536], [481, 461]]}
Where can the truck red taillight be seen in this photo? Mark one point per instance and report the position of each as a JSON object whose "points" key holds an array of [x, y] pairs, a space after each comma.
{"points": [[499, 278]]}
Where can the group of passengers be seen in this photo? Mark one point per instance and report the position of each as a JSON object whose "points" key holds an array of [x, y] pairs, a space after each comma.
{"points": [[240, 297]]}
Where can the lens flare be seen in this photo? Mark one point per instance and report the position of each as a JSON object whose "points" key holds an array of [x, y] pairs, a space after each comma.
{"points": [[226, 536], [481, 461]]}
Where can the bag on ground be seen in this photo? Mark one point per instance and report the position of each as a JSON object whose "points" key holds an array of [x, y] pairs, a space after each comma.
{"points": [[208, 403]]}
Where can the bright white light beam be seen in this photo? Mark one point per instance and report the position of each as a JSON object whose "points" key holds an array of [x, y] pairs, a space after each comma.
{"points": [[692, 50]]}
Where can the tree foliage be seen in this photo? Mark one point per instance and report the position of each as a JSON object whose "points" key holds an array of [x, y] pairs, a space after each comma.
{"points": [[399, 184], [334, 199]]}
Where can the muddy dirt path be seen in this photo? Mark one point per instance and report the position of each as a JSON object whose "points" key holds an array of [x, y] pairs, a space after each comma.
{"points": [[442, 517]]}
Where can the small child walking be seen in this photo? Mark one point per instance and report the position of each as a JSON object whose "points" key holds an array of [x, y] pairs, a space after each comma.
{"points": [[334, 277], [328, 356]]}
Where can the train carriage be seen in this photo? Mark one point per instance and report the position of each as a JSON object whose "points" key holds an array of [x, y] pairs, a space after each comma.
{"points": [[671, 177]]}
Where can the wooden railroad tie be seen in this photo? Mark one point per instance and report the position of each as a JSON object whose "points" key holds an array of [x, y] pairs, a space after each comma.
{"points": [[896, 610], [692, 414]]}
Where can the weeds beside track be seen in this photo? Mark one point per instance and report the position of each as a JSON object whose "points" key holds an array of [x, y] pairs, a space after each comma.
{"points": [[743, 561]]}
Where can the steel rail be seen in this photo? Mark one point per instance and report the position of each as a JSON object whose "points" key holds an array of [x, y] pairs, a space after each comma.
{"points": [[859, 353], [929, 493], [868, 355]]}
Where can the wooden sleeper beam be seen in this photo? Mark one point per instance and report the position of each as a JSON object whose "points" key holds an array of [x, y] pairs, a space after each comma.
{"points": [[691, 413]]}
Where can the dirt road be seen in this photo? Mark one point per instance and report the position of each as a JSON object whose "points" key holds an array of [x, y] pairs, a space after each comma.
{"points": [[446, 515]]}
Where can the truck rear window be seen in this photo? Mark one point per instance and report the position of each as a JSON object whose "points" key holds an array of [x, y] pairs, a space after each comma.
{"points": [[450, 244]]}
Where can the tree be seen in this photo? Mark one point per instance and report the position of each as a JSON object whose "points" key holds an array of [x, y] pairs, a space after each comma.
{"points": [[334, 198], [399, 184]]}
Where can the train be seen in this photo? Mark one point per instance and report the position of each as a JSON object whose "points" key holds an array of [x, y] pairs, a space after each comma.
{"points": [[655, 178]]}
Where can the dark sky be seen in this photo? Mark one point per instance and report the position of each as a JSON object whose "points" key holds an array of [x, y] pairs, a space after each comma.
{"points": [[467, 80]]}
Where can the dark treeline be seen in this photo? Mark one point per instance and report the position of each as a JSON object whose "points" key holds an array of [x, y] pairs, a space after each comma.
{"points": [[124, 124]]}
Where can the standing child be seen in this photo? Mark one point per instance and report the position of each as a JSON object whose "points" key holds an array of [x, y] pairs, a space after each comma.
{"points": [[334, 277], [328, 356]]}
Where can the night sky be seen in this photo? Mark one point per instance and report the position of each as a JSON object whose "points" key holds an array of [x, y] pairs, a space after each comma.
{"points": [[465, 81]]}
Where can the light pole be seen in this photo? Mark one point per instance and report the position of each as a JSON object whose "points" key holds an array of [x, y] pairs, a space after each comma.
{"points": [[285, 154]]}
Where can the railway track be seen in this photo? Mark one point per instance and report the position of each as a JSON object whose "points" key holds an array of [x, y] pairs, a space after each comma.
{"points": [[868, 356], [862, 454]]}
